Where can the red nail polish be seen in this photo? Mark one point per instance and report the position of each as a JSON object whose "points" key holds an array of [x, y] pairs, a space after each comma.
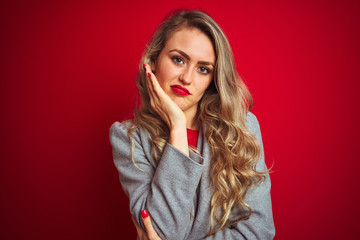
{"points": [[144, 65], [149, 74], [144, 214]]}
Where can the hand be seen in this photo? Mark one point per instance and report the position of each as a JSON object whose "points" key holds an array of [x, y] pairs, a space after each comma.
{"points": [[171, 113], [150, 233], [141, 234]]}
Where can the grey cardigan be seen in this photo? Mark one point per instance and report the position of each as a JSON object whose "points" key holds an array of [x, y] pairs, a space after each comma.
{"points": [[177, 191]]}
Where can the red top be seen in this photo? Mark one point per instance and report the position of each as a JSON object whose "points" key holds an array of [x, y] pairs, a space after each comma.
{"points": [[192, 136]]}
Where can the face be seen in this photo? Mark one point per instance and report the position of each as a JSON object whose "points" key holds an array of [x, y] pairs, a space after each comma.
{"points": [[185, 68]]}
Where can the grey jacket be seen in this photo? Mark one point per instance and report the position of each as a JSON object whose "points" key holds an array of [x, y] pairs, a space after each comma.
{"points": [[177, 191]]}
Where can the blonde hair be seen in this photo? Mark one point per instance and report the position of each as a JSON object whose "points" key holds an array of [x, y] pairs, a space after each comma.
{"points": [[222, 111]]}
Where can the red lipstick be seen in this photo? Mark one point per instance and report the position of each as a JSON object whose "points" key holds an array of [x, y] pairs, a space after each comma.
{"points": [[180, 90]]}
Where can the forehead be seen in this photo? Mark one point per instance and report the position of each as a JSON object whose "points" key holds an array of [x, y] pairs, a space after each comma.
{"points": [[193, 42]]}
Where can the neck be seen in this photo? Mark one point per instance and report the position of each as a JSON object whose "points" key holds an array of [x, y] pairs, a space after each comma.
{"points": [[191, 122]]}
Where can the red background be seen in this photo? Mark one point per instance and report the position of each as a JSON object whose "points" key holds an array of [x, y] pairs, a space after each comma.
{"points": [[67, 72]]}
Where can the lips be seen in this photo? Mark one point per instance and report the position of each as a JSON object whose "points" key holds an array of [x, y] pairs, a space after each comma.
{"points": [[180, 90]]}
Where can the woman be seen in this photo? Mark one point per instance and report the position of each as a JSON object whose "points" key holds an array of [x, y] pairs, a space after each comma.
{"points": [[192, 155]]}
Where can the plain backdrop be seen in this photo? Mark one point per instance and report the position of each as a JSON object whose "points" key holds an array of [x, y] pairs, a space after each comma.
{"points": [[67, 72]]}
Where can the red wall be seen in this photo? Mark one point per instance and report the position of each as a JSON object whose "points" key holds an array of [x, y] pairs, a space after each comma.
{"points": [[67, 72]]}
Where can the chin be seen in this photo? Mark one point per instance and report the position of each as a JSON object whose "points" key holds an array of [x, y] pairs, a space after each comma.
{"points": [[182, 107], [180, 104]]}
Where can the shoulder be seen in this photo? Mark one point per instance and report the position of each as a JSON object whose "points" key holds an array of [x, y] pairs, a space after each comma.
{"points": [[120, 131], [253, 124], [120, 127], [119, 134]]}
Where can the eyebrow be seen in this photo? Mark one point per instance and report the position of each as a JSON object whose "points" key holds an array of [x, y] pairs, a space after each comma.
{"points": [[188, 58]]}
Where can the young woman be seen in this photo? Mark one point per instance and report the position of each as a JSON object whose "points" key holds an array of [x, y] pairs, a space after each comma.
{"points": [[192, 157]]}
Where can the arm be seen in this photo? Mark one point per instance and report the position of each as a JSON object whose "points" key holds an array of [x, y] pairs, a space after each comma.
{"points": [[260, 225], [168, 111], [166, 190]]}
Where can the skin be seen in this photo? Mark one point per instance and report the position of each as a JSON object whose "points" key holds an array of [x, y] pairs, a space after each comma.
{"points": [[188, 60], [150, 233], [173, 67]]}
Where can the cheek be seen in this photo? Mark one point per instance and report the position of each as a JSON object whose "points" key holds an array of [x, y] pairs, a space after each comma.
{"points": [[203, 85], [161, 77], [165, 73]]}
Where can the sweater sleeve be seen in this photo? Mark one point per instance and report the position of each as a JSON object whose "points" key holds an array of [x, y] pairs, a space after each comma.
{"points": [[166, 190], [260, 225]]}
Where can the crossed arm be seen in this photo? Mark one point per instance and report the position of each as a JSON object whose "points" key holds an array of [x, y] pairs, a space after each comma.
{"points": [[167, 188]]}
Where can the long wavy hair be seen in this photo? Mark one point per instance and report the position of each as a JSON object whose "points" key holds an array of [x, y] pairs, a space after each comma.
{"points": [[222, 111]]}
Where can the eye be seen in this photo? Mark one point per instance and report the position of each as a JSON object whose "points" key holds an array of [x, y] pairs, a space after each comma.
{"points": [[178, 60], [203, 70]]}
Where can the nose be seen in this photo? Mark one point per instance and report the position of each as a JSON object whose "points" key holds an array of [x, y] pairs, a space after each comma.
{"points": [[186, 75]]}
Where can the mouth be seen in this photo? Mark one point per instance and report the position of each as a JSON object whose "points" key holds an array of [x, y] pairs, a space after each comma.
{"points": [[180, 90]]}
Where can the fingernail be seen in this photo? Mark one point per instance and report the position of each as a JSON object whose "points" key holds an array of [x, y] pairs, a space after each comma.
{"points": [[149, 74], [144, 65], [144, 214]]}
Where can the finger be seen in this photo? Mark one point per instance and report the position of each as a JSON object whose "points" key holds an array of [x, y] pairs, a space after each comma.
{"points": [[135, 223], [155, 84], [154, 87], [147, 77], [150, 231], [141, 235], [150, 86], [153, 80], [138, 228], [156, 97]]}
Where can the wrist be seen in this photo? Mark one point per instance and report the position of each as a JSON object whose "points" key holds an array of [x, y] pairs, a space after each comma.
{"points": [[178, 139]]}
